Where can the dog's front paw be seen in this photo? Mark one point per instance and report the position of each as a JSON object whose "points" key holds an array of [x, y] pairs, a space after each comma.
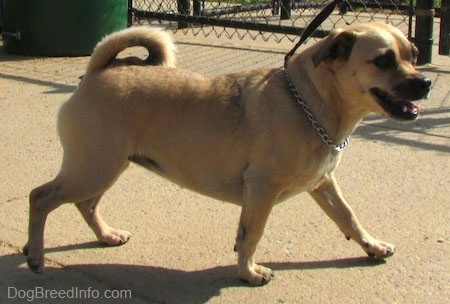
{"points": [[378, 249], [114, 237], [34, 264], [256, 275]]}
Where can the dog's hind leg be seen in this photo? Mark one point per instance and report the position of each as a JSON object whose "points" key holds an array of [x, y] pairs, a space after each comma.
{"points": [[78, 181], [105, 234], [330, 199], [43, 200]]}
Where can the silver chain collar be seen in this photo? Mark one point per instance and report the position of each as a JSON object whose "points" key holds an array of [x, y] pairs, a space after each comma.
{"points": [[323, 135]]}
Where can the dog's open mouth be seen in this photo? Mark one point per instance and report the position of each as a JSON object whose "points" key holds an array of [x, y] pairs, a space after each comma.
{"points": [[399, 109]]}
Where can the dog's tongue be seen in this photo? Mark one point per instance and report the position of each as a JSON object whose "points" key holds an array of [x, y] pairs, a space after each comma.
{"points": [[407, 106]]}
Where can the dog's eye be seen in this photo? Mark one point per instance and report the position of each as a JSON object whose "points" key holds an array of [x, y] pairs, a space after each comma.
{"points": [[385, 61]]}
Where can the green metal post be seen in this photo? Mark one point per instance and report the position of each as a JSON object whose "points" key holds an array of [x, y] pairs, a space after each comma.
{"points": [[285, 9], [130, 13], [197, 7], [184, 8], [424, 30], [444, 35]]}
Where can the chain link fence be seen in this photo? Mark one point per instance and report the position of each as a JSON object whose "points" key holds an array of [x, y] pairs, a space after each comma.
{"points": [[265, 19]]}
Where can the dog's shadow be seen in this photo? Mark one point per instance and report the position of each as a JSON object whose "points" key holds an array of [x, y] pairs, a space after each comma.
{"points": [[147, 283]]}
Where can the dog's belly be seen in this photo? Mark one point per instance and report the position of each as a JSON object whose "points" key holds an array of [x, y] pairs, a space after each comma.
{"points": [[227, 186], [222, 178]]}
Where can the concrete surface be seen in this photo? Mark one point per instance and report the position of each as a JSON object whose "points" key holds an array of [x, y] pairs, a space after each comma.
{"points": [[396, 177]]}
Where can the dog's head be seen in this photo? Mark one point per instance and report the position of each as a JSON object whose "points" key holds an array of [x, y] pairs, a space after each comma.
{"points": [[374, 66]]}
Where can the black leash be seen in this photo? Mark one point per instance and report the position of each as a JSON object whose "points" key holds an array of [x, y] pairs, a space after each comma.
{"points": [[326, 11]]}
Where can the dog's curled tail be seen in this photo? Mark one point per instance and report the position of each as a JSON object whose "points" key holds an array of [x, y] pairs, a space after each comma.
{"points": [[159, 44]]}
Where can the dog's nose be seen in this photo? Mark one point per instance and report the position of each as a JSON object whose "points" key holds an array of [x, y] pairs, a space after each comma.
{"points": [[422, 84], [414, 88]]}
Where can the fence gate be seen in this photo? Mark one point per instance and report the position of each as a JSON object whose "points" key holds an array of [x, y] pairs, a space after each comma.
{"points": [[269, 19]]}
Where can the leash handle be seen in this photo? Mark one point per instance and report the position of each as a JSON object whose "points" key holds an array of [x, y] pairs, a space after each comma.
{"points": [[324, 13]]}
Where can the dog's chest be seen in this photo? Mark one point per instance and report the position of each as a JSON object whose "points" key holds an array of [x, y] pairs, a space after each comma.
{"points": [[308, 174]]}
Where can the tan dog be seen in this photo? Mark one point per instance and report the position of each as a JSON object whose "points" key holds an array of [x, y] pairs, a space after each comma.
{"points": [[240, 138]]}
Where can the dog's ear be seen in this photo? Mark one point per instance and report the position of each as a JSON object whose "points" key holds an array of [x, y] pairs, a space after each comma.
{"points": [[338, 45]]}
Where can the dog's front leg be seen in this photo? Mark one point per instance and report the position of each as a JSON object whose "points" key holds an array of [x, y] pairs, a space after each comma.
{"points": [[330, 199], [257, 204]]}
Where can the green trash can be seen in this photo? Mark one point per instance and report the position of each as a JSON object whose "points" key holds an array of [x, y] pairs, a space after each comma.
{"points": [[59, 27]]}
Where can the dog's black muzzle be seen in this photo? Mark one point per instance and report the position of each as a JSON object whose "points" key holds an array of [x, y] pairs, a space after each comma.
{"points": [[414, 89], [399, 106]]}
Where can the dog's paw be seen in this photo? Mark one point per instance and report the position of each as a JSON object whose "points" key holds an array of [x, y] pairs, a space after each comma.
{"points": [[114, 237], [35, 265], [257, 275], [378, 249]]}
